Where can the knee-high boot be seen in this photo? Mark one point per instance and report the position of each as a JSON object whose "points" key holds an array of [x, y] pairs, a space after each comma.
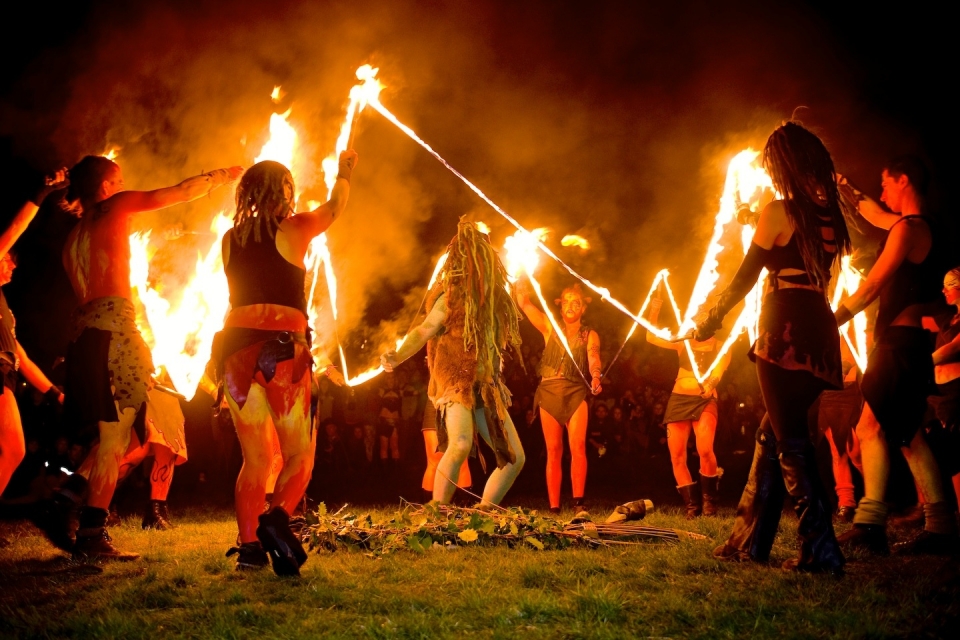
{"points": [[758, 514], [819, 550]]}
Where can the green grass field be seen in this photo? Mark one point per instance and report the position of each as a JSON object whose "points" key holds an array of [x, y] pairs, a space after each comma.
{"points": [[184, 587]]}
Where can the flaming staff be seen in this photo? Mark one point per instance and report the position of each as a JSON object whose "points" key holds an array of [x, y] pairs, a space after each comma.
{"points": [[848, 281], [521, 257]]}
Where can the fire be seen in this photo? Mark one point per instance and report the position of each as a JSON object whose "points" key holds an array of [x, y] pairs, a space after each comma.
{"points": [[281, 146], [111, 153], [180, 332], [521, 254], [848, 281], [575, 241], [318, 254], [483, 227], [276, 95]]}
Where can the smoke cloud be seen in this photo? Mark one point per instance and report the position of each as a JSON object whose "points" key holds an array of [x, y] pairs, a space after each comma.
{"points": [[615, 124]]}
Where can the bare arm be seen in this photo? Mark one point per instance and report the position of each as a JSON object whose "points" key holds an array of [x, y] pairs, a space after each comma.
{"points": [[536, 317], [29, 210], [593, 362], [894, 253], [867, 206], [33, 374], [130, 202], [947, 351], [417, 338], [306, 226]]}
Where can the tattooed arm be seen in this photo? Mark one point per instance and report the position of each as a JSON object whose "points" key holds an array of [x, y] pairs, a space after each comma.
{"points": [[593, 360]]}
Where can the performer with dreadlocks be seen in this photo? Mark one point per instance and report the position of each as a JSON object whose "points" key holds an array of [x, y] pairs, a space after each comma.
{"points": [[471, 319], [108, 364], [798, 239], [264, 354], [562, 394]]}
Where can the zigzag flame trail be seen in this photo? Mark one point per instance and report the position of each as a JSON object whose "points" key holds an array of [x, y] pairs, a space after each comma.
{"points": [[601, 291], [848, 281]]}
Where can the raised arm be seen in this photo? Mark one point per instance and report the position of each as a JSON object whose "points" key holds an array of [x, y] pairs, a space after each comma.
{"points": [[895, 251], [417, 338], [25, 215], [130, 202], [536, 317], [306, 226], [869, 208]]}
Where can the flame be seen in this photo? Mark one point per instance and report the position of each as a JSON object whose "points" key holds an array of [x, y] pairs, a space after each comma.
{"points": [[276, 95], [482, 226], [521, 254], [575, 241], [281, 146], [111, 153], [848, 281], [180, 332]]}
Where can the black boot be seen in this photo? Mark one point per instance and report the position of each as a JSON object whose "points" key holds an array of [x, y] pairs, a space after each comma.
{"points": [[758, 514], [691, 497], [710, 487], [250, 556], [155, 516], [93, 541], [57, 517], [285, 551], [819, 550]]}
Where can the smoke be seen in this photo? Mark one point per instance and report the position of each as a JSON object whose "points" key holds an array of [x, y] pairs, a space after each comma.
{"points": [[615, 124]]}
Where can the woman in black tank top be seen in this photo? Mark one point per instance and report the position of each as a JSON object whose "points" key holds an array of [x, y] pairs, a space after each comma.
{"points": [[263, 355], [797, 351]]}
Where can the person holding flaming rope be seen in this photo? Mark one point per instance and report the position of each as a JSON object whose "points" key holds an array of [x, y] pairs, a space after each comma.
{"points": [[692, 407], [797, 352], [900, 370], [562, 394], [109, 367], [471, 319], [263, 354], [13, 358]]}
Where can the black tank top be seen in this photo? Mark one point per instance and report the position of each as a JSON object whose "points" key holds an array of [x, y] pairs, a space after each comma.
{"points": [[788, 257], [258, 274], [911, 283]]}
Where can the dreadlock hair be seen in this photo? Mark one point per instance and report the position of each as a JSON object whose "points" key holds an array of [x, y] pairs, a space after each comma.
{"points": [[802, 171], [491, 318], [86, 179], [264, 199]]}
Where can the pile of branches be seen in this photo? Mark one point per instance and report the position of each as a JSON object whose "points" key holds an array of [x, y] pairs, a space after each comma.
{"points": [[420, 528]]}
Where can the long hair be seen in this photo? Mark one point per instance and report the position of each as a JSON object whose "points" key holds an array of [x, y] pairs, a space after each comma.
{"points": [[802, 171], [86, 179], [491, 317], [264, 199]]}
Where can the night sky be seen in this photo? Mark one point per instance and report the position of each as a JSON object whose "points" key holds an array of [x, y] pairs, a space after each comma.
{"points": [[612, 120]]}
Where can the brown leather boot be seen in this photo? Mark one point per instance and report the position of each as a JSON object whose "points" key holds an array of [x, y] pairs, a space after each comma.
{"points": [[93, 541], [155, 516], [710, 487], [691, 497]]}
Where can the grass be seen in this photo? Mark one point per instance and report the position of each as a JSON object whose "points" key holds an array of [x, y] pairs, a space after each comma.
{"points": [[184, 587]]}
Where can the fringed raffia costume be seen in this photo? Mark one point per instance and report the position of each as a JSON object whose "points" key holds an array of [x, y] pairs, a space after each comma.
{"points": [[465, 357]]}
